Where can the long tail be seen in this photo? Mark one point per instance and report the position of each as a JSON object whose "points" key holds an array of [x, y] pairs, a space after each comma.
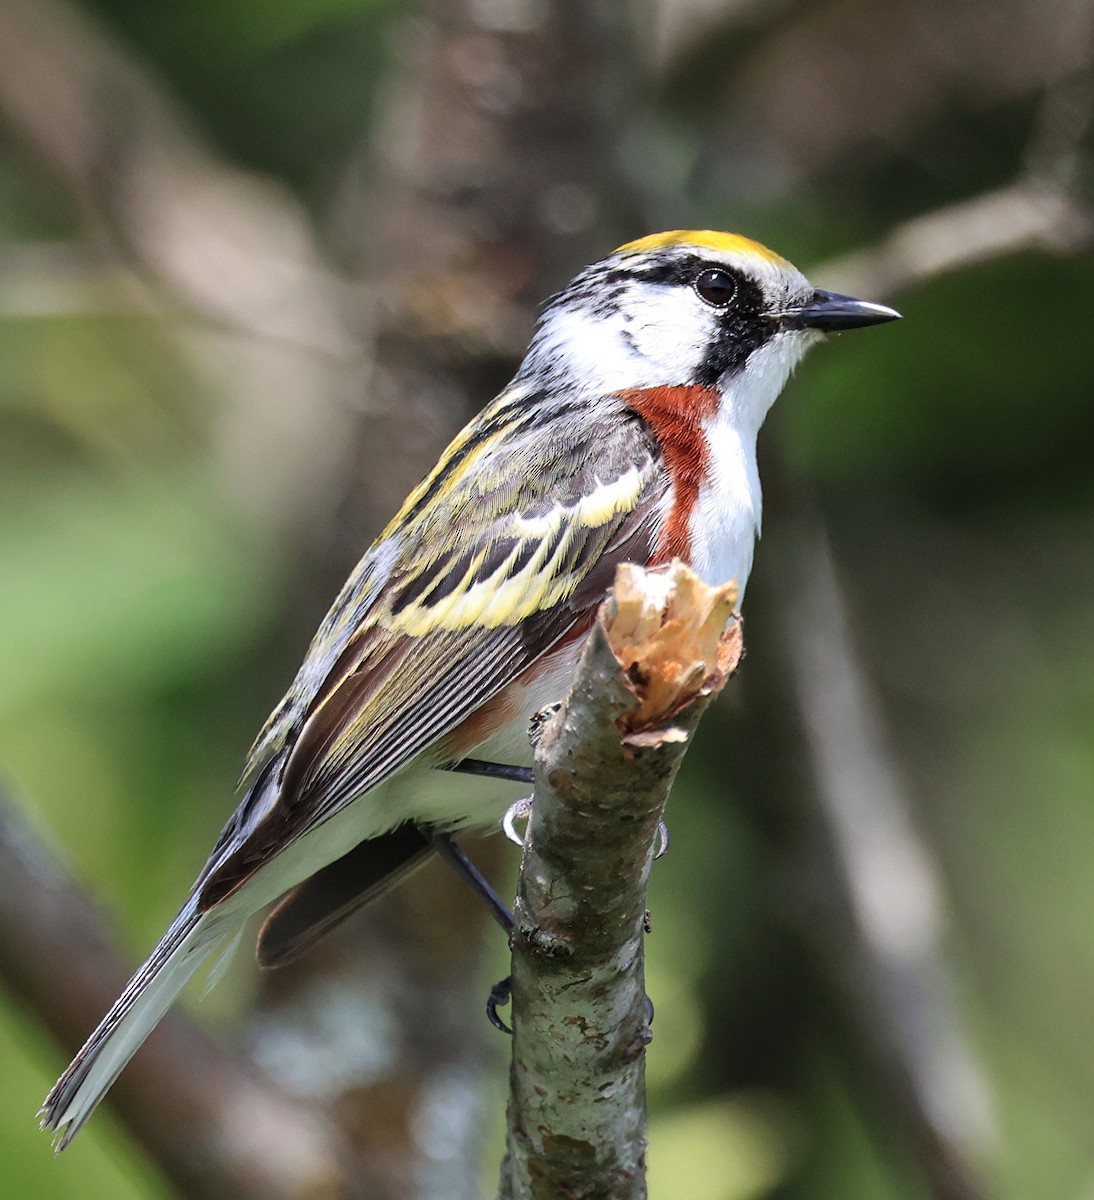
{"points": [[148, 995]]}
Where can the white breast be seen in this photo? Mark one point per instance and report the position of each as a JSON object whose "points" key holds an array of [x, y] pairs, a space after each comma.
{"points": [[726, 519]]}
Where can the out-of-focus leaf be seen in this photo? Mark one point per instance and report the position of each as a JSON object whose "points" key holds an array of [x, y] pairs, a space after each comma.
{"points": [[977, 396], [104, 1167], [733, 1149], [106, 587]]}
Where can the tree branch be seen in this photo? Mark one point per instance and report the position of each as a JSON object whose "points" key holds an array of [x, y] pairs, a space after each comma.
{"points": [[213, 1126], [1023, 216], [234, 248], [1043, 209], [882, 941], [659, 652], [175, 230]]}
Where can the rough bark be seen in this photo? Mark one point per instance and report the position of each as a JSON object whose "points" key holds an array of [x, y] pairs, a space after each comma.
{"points": [[659, 652]]}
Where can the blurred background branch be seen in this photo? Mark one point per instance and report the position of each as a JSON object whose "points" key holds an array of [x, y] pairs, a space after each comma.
{"points": [[211, 1126], [257, 265], [228, 259], [1015, 220], [233, 248]]}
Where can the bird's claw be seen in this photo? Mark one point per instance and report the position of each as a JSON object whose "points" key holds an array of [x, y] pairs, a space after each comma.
{"points": [[539, 721], [500, 994], [521, 810], [645, 1031], [662, 843]]}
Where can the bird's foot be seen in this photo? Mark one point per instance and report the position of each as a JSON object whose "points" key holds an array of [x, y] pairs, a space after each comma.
{"points": [[520, 810], [539, 721], [446, 846], [662, 843], [500, 995], [491, 770]]}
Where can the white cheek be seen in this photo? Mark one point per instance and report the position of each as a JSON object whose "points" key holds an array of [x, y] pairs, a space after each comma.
{"points": [[672, 331], [658, 341], [590, 353]]}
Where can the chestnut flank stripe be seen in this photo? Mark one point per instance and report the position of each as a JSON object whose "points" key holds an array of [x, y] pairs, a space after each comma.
{"points": [[676, 416]]}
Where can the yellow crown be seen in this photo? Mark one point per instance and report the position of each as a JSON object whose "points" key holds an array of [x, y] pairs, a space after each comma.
{"points": [[727, 243]]}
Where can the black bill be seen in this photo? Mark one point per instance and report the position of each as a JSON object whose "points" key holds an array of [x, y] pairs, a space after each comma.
{"points": [[830, 311]]}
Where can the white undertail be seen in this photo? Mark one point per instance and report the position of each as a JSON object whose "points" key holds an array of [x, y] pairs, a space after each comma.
{"points": [[138, 1010]]}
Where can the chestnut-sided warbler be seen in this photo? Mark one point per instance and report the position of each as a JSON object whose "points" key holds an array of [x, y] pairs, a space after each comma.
{"points": [[628, 434]]}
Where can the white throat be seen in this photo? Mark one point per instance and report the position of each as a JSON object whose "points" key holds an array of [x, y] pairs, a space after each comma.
{"points": [[725, 522]]}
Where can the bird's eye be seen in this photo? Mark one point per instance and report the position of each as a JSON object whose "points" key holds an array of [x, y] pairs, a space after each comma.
{"points": [[716, 287]]}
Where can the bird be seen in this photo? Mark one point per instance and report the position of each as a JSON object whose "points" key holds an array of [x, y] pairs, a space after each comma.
{"points": [[628, 434]]}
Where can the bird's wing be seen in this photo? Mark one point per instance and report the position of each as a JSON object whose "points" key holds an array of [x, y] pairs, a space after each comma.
{"points": [[447, 608]]}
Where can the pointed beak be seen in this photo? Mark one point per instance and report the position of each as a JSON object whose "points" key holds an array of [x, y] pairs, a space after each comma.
{"points": [[830, 312]]}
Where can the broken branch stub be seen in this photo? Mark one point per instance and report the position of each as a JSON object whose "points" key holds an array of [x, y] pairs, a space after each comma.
{"points": [[671, 634], [663, 645]]}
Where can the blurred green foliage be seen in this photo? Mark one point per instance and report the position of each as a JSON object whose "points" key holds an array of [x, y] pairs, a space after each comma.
{"points": [[981, 402], [144, 610]]}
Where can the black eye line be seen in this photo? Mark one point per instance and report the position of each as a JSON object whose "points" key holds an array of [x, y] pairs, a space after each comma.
{"points": [[711, 268]]}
